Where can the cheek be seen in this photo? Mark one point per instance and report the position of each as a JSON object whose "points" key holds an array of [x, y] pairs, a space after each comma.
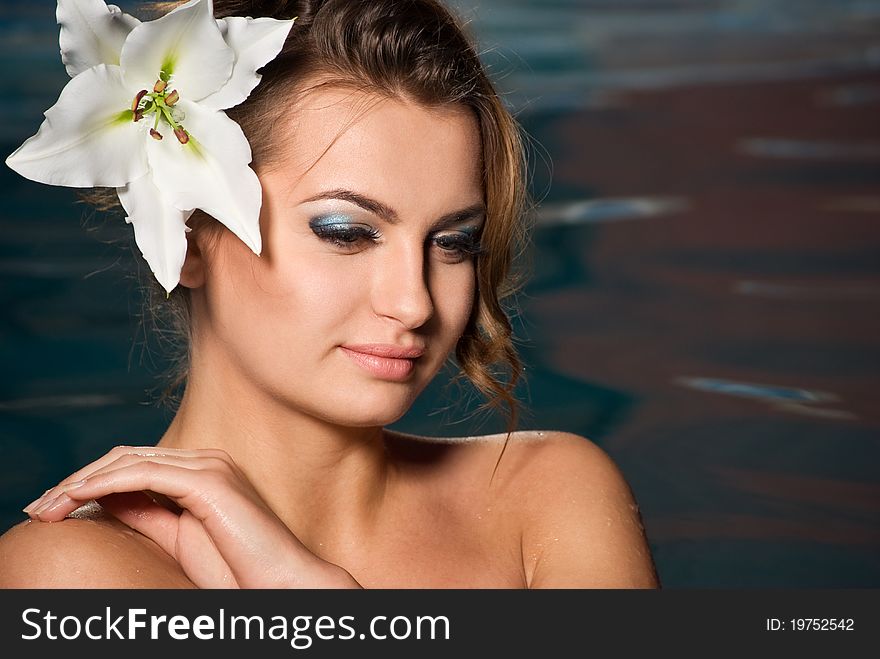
{"points": [[309, 298], [276, 305], [453, 291]]}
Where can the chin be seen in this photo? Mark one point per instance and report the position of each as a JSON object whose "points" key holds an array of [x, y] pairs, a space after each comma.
{"points": [[380, 412], [354, 402], [365, 418]]}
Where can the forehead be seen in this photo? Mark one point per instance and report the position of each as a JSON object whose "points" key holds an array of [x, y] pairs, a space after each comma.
{"points": [[412, 157]]}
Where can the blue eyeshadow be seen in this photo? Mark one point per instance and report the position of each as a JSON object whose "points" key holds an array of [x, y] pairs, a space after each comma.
{"points": [[330, 220]]}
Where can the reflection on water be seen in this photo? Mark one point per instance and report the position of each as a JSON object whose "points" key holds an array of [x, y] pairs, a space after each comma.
{"points": [[779, 148], [706, 276], [606, 210], [752, 390]]}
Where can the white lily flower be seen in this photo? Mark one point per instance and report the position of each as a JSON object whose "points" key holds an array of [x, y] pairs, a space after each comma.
{"points": [[120, 120]]}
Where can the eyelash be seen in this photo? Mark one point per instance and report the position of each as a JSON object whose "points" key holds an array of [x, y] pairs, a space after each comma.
{"points": [[346, 236]]}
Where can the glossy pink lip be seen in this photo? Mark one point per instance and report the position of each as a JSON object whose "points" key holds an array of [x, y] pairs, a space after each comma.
{"points": [[386, 368], [387, 350]]}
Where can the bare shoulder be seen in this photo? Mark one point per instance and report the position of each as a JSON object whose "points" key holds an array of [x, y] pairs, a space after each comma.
{"points": [[559, 497], [524, 459], [581, 526], [92, 551]]}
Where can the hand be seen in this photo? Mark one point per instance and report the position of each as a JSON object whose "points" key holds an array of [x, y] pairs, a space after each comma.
{"points": [[225, 537]]}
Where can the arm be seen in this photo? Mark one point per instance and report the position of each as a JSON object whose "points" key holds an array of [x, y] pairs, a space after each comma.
{"points": [[582, 527]]}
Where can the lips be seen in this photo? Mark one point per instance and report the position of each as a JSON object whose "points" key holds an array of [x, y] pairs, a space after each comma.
{"points": [[386, 362], [387, 350]]}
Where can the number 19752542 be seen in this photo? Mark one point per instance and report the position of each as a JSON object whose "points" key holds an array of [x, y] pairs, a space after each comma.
{"points": [[810, 624]]}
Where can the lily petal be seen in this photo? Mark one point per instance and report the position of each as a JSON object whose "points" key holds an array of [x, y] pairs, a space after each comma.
{"points": [[184, 43], [159, 229], [88, 138], [92, 33], [256, 41], [210, 171]]}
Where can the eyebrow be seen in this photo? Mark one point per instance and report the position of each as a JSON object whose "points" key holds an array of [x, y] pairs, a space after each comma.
{"points": [[388, 214]]}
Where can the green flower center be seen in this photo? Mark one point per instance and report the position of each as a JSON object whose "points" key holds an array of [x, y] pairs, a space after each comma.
{"points": [[160, 103]]}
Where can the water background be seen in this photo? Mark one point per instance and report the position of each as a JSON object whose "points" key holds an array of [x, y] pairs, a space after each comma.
{"points": [[705, 298]]}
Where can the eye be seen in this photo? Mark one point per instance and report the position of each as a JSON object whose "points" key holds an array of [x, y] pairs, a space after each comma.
{"points": [[459, 245], [342, 234]]}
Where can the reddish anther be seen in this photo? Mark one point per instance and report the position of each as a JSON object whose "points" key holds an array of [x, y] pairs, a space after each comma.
{"points": [[137, 100]]}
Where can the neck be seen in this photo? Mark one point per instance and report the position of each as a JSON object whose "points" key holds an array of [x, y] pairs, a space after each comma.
{"points": [[326, 482]]}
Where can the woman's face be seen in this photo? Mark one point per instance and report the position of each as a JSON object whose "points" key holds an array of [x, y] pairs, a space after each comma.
{"points": [[368, 223]]}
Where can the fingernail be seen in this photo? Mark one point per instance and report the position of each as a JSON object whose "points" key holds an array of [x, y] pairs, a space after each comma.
{"points": [[36, 502], [33, 504]]}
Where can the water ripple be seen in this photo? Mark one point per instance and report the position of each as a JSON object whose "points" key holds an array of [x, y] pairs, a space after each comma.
{"points": [[593, 211], [82, 401], [52, 269], [784, 148], [850, 95], [756, 390], [858, 290]]}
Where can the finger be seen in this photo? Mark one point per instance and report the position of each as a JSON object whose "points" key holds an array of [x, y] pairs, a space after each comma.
{"points": [[181, 536], [115, 454], [135, 474], [107, 458], [63, 499], [199, 478], [247, 534]]}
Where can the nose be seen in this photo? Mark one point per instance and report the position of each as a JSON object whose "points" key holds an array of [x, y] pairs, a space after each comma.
{"points": [[401, 287]]}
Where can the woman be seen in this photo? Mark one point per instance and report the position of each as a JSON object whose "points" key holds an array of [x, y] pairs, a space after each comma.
{"points": [[392, 206]]}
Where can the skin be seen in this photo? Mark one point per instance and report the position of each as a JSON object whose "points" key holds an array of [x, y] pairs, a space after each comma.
{"points": [[280, 450]]}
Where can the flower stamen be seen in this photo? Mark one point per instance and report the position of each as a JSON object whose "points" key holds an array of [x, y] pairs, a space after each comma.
{"points": [[137, 101], [160, 102]]}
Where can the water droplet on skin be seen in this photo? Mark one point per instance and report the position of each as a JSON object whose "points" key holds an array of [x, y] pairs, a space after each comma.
{"points": [[540, 434]]}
